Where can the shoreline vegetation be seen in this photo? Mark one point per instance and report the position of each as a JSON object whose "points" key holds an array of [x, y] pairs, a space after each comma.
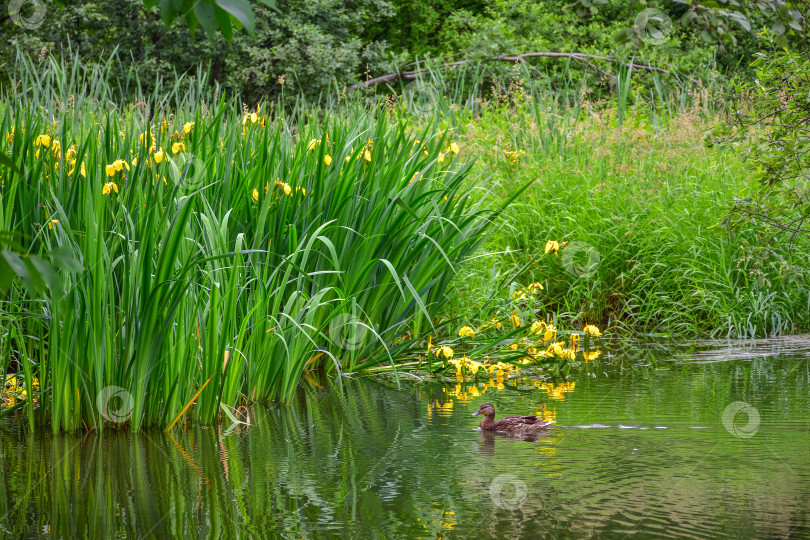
{"points": [[181, 254]]}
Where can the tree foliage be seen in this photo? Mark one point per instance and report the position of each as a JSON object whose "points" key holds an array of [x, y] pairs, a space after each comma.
{"points": [[772, 123], [309, 48]]}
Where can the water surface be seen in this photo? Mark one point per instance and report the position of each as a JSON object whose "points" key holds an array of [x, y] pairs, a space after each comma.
{"points": [[704, 440]]}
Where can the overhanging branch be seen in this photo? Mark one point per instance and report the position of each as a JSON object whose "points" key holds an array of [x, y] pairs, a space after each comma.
{"points": [[410, 75]]}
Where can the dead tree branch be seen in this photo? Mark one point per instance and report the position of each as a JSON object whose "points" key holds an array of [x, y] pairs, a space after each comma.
{"points": [[410, 75]]}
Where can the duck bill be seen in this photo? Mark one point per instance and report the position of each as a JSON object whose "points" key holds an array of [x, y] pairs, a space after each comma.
{"points": [[476, 413]]}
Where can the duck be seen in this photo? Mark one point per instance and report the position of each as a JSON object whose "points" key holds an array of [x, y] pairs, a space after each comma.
{"points": [[510, 424]]}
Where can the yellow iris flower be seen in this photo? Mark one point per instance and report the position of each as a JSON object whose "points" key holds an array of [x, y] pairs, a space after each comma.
{"points": [[115, 166], [466, 331], [592, 330]]}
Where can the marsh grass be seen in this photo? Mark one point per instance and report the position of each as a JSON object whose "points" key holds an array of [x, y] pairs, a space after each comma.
{"points": [[217, 272], [347, 237], [640, 192]]}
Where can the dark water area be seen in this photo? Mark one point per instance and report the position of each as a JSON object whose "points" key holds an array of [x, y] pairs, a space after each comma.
{"points": [[704, 440]]}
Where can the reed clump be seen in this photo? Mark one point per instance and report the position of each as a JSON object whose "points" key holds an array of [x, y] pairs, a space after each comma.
{"points": [[209, 252]]}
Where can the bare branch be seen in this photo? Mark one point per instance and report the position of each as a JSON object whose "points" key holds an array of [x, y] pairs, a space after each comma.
{"points": [[410, 75]]}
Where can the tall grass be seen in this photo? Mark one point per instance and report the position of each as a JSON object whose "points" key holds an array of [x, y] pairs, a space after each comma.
{"points": [[273, 242], [267, 244], [631, 185]]}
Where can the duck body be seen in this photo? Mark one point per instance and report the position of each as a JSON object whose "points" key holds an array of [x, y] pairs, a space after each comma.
{"points": [[510, 424]]}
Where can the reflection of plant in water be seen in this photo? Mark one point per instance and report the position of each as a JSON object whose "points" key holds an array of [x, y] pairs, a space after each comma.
{"points": [[364, 461], [557, 391], [547, 415], [590, 356], [442, 408], [466, 393], [15, 389], [436, 520]]}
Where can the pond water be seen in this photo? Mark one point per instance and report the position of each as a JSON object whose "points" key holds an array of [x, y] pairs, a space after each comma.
{"points": [[703, 440]]}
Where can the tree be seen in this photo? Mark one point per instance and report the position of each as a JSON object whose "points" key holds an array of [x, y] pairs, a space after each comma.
{"points": [[715, 19], [211, 15], [771, 120], [224, 16]]}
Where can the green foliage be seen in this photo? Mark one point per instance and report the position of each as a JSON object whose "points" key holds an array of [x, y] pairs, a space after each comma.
{"points": [[210, 276], [319, 47], [312, 47], [642, 209], [771, 121], [227, 250], [211, 15]]}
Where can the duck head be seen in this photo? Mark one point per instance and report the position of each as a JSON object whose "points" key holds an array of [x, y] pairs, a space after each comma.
{"points": [[486, 409]]}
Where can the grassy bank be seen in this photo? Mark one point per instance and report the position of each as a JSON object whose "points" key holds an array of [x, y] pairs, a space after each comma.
{"points": [[642, 208], [183, 254]]}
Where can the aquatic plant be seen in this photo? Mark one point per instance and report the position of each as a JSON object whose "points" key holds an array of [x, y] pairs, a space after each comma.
{"points": [[223, 249]]}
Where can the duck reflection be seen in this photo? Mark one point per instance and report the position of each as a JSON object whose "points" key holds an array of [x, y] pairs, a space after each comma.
{"points": [[487, 446]]}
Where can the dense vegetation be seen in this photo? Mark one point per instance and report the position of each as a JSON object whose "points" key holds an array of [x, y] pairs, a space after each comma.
{"points": [[220, 234], [312, 48], [644, 208], [183, 241]]}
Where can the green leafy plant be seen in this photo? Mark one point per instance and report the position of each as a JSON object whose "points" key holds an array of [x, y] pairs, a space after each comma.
{"points": [[222, 248], [772, 126]]}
